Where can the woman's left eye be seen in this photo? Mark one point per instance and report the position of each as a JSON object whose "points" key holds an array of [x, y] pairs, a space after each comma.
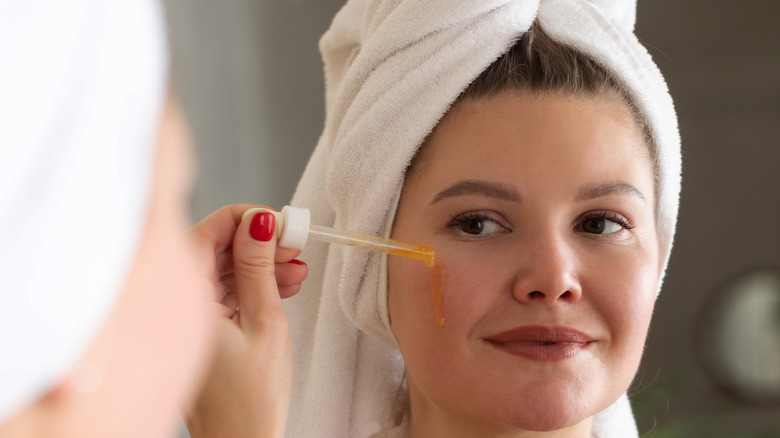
{"points": [[604, 223]]}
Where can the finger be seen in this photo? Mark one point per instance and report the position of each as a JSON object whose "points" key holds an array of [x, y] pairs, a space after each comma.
{"points": [[221, 311], [289, 277], [212, 241], [289, 291], [216, 233], [293, 272], [228, 282], [229, 304], [225, 260], [290, 274], [285, 255], [254, 251]]}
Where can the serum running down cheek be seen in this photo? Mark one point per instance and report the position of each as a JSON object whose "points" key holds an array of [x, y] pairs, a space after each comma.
{"points": [[437, 278]]}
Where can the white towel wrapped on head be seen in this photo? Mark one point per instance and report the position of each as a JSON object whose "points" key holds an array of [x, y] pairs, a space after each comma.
{"points": [[392, 70]]}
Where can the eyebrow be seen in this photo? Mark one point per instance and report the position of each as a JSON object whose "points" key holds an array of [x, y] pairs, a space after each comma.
{"points": [[609, 188], [479, 187], [508, 193]]}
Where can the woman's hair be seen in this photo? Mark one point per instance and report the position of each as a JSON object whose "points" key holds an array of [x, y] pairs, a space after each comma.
{"points": [[537, 64]]}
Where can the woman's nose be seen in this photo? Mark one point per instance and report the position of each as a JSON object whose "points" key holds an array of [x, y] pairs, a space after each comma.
{"points": [[547, 273]]}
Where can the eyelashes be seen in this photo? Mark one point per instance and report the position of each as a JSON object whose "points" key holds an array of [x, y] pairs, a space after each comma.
{"points": [[479, 224], [475, 224], [603, 222]]}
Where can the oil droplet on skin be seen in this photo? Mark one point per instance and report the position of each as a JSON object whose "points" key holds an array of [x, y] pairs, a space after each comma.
{"points": [[436, 274], [422, 252]]}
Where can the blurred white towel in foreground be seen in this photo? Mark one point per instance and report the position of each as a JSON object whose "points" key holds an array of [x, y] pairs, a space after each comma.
{"points": [[82, 85]]}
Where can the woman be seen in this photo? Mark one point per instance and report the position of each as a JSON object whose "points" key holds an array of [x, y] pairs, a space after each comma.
{"points": [[538, 194], [106, 315], [548, 189]]}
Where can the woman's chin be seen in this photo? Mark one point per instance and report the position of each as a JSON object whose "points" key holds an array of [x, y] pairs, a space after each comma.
{"points": [[549, 413]]}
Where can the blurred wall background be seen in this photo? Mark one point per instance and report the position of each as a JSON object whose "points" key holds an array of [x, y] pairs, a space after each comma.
{"points": [[250, 77], [721, 59]]}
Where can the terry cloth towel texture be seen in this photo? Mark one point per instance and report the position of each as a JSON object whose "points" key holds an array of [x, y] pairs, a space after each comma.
{"points": [[392, 69], [82, 85]]}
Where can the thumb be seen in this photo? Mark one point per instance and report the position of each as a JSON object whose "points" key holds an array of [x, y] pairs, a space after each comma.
{"points": [[254, 248]]}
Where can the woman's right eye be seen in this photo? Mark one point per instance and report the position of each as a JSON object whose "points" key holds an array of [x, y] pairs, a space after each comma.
{"points": [[474, 223]]}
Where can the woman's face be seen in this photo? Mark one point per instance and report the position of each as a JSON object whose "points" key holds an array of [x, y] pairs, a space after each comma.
{"points": [[541, 212]]}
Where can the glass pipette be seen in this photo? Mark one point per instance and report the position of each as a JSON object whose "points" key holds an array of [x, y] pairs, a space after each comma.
{"points": [[374, 243]]}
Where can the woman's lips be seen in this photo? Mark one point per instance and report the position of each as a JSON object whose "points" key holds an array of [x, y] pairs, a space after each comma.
{"points": [[541, 343]]}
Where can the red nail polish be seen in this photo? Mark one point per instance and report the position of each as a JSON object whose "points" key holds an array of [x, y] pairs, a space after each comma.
{"points": [[262, 226], [297, 262]]}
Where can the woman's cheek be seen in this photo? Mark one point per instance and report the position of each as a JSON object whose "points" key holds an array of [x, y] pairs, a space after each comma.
{"points": [[626, 299], [408, 295], [472, 283], [431, 309]]}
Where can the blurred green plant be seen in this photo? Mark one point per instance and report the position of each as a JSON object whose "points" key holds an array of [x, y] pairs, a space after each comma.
{"points": [[651, 401]]}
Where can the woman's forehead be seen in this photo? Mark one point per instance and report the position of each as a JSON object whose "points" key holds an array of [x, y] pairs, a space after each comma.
{"points": [[534, 135]]}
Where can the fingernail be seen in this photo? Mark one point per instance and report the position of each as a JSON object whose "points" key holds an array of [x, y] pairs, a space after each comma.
{"points": [[297, 262], [262, 226]]}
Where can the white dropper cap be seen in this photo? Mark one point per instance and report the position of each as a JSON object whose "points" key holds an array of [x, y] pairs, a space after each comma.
{"points": [[292, 227]]}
